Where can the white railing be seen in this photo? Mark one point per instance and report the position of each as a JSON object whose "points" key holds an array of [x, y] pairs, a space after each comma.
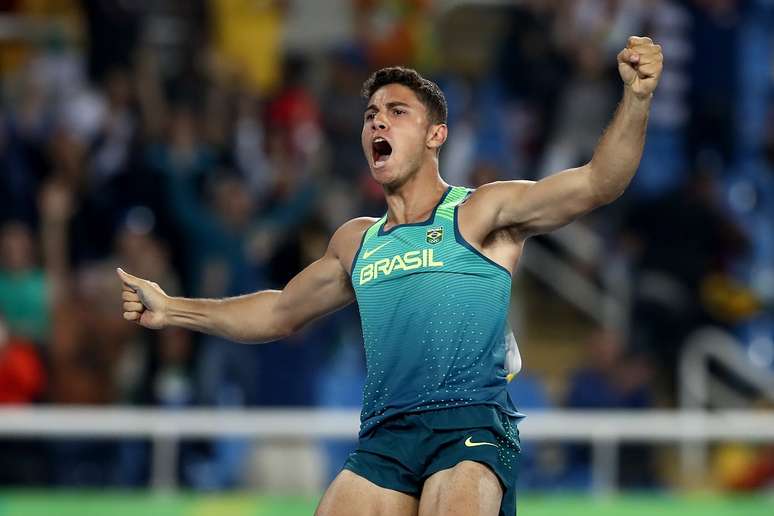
{"points": [[714, 344], [706, 345], [604, 430], [572, 286]]}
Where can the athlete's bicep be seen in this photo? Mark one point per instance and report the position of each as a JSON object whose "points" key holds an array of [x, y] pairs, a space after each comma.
{"points": [[321, 288], [533, 207], [324, 286]]}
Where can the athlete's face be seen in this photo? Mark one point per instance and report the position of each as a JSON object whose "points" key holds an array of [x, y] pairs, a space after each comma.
{"points": [[397, 135]]}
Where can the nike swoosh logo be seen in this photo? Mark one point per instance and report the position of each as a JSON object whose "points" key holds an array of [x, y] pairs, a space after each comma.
{"points": [[471, 444], [367, 254]]}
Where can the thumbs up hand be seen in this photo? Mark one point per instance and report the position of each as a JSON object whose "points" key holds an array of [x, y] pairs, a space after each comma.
{"points": [[144, 301]]}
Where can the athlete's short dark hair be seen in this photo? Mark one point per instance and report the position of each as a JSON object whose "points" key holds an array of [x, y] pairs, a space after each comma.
{"points": [[426, 90]]}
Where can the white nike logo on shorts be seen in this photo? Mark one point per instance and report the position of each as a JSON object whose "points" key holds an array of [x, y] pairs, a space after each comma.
{"points": [[471, 444]]}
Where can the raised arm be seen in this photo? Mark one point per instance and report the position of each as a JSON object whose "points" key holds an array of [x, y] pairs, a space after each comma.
{"points": [[263, 316], [537, 207]]}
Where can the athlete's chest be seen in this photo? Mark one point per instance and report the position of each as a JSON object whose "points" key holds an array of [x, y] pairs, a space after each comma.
{"points": [[405, 251]]}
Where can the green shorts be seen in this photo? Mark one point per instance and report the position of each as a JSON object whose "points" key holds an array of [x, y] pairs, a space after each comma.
{"points": [[402, 452]]}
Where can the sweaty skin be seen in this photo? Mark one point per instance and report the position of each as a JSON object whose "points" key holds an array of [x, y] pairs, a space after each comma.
{"points": [[496, 219]]}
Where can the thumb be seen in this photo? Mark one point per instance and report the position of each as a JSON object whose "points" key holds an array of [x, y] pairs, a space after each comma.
{"points": [[132, 281], [628, 56]]}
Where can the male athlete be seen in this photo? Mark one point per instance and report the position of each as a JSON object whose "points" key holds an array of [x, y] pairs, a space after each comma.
{"points": [[432, 279]]}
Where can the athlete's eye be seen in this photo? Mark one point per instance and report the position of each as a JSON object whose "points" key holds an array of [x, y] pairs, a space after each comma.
{"points": [[398, 112], [369, 115]]}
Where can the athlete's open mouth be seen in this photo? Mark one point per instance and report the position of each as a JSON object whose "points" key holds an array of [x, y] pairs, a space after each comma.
{"points": [[382, 150]]}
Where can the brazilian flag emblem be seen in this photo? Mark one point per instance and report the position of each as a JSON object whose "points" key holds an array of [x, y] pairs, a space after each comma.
{"points": [[434, 235]]}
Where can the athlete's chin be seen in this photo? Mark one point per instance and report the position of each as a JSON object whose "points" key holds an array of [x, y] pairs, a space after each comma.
{"points": [[384, 174]]}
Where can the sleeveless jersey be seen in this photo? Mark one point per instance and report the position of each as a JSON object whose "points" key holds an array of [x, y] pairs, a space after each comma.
{"points": [[434, 316]]}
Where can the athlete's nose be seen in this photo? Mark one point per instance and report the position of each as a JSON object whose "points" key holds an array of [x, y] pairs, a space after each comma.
{"points": [[379, 123]]}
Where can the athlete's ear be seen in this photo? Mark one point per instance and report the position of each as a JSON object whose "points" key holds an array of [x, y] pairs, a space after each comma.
{"points": [[436, 135]]}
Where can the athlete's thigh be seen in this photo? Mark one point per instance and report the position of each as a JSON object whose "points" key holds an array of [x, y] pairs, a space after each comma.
{"points": [[467, 489], [352, 495]]}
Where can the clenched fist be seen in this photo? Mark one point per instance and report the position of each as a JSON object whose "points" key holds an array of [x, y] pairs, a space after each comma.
{"points": [[144, 301], [640, 65]]}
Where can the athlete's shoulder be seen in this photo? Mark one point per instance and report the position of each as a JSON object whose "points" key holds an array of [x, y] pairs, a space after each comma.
{"points": [[496, 189], [483, 203], [479, 215], [354, 228], [346, 240]]}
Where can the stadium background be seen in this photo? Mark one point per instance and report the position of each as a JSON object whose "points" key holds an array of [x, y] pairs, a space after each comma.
{"points": [[212, 147]]}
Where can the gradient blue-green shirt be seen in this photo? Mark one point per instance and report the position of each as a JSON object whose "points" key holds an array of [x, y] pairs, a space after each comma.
{"points": [[434, 316]]}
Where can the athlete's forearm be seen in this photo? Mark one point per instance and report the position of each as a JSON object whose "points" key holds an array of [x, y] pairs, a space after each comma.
{"points": [[250, 318], [619, 151]]}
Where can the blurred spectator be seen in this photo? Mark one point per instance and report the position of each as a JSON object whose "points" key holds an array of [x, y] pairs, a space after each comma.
{"points": [[611, 380], [112, 29], [176, 32], [25, 126], [88, 340], [743, 468], [713, 121], [250, 147], [22, 377], [293, 119], [528, 45], [584, 109], [394, 32], [92, 205], [676, 243], [112, 142], [247, 38], [24, 289], [342, 111], [216, 236], [22, 381], [183, 155], [589, 91], [663, 166]]}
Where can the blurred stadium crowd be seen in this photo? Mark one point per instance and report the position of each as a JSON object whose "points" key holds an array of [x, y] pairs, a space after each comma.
{"points": [[181, 141]]}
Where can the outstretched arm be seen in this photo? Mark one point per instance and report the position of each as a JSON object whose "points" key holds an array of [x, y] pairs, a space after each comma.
{"points": [[263, 316], [537, 207]]}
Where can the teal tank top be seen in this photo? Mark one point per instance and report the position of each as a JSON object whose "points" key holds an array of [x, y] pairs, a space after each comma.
{"points": [[434, 316]]}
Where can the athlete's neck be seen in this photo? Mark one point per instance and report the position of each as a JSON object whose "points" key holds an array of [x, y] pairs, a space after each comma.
{"points": [[414, 200]]}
